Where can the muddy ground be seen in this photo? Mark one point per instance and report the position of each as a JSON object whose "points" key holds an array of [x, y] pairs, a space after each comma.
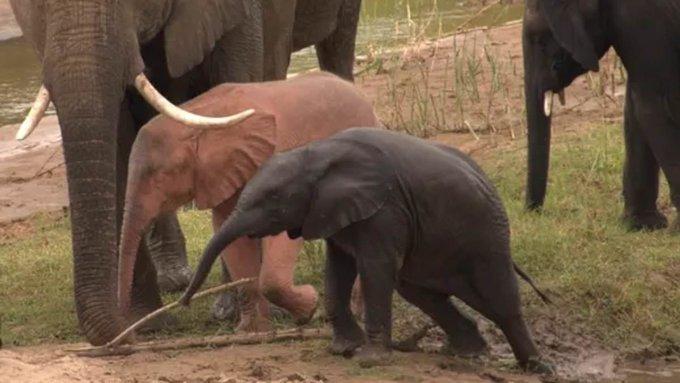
{"points": [[32, 179]]}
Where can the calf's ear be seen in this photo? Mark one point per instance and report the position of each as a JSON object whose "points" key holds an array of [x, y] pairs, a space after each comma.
{"points": [[349, 191]]}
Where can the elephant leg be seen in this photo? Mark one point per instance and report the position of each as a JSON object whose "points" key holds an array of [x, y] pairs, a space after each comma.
{"points": [[226, 306], [167, 248], [661, 130], [278, 19], [464, 338], [336, 52], [377, 271], [243, 258], [341, 271], [492, 291], [279, 255], [239, 55], [145, 293], [640, 177]]}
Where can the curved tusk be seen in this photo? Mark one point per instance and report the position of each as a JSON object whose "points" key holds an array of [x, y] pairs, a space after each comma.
{"points": [[548, 103], [563, 99], [165, 107], [37, 112]]}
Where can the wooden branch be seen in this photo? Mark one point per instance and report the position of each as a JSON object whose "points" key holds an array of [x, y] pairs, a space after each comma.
{"points": [[123, 335], [214, 341]]}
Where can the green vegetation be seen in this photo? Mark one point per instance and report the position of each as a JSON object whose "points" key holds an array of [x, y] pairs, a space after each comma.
{"points": [[622, 285]]}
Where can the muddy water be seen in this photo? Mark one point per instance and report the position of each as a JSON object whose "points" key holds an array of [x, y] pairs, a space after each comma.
{"points": [[651, 372], [384, 23]]}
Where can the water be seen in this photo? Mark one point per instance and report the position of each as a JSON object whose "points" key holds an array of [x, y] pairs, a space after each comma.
{"points": [[384, 23]]}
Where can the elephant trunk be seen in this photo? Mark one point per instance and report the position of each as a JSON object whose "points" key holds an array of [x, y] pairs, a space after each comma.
{"points": [[89, 139], [538, 109], [238, 225], [87, 85]]}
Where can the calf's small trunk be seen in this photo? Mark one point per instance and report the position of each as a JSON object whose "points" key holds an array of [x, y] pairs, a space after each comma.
{"points": [[235, 227]]}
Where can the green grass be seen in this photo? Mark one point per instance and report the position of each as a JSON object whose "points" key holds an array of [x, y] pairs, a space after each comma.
{"points": [[622, 286]]}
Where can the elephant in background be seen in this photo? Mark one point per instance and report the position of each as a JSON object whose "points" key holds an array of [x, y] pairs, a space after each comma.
{"points": [[402, 213], [563, 39], [172, 164], [94, 54]]}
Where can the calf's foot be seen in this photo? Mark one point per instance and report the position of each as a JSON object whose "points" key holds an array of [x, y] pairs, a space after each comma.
{"points": [[226, 307], [373, 354], [538, 366], [466, 344], [651, 220], [300, 301], [346, 339]]}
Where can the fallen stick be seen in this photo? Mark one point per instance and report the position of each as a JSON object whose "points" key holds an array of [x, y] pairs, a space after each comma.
{"points": [[214, 341], [121, 337]]}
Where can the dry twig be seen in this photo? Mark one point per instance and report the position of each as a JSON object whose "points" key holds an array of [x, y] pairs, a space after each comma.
{"points": [[110, 348]]}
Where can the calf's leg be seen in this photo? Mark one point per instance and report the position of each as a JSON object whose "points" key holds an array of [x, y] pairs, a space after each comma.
{"points": [[492, 290], [279, 255], [464, 338], [341, 271]]}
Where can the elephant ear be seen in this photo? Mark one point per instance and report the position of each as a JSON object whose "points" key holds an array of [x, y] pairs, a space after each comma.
{"points": [[227, 158], [195, 26], [349, 190], [568, 24]]}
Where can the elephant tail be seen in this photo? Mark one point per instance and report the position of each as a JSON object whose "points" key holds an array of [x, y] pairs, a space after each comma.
{"points": [[531, 283]]}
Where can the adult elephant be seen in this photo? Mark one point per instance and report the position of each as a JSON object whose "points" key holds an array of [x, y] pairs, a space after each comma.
{"points": [[565, 38], [94, 54]]}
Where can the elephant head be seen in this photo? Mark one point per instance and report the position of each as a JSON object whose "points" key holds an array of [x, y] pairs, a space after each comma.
{"points": [[562, 39], [91, 54], [311, 192], [167, 170]]}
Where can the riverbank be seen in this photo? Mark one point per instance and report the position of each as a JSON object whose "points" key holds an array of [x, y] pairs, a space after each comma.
{"points": [[616, 293], [8, 25]]}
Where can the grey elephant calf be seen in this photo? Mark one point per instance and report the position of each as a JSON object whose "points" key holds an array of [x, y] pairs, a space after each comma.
{"points": [[403, 213]]}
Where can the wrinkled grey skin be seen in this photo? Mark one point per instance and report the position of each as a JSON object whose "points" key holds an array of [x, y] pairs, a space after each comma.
{"points": [[402, 213], [90, 53], [564, 39]]}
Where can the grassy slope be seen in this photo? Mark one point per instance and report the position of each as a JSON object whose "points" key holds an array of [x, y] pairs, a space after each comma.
{"points": [[622, 285]]}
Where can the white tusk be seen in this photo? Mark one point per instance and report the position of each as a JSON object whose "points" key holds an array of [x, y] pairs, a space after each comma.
{"points": [[37, 112], [165, 107], [548, 103], [563, 99]]}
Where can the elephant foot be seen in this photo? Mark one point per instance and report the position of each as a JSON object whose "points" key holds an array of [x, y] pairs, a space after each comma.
{"points": [[645, 221], [372, 355], [346, 341], [466, 345], [254, 323], [226, 307], [538, 366], [410, 344], [308, 305], [174, 279], [162, 322]]}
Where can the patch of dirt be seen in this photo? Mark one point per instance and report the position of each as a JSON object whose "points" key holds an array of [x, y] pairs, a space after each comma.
{"points": [[289, 362], [32, 172]]}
